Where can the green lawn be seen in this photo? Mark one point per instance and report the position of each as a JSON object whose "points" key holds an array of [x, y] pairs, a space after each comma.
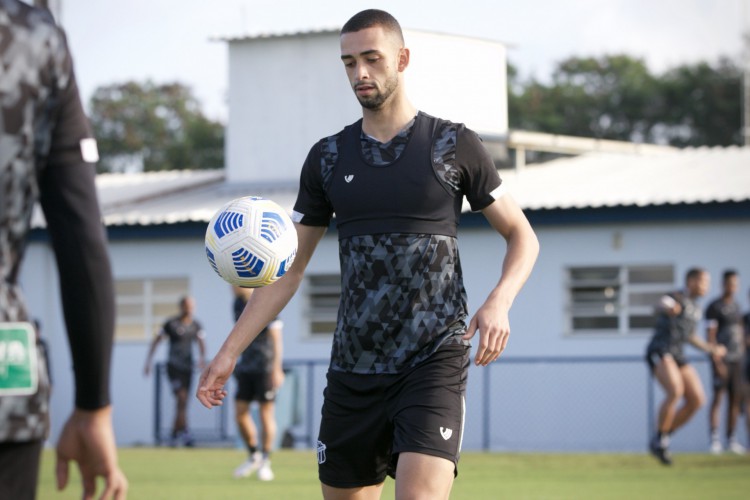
{"points": [[159, 473]]}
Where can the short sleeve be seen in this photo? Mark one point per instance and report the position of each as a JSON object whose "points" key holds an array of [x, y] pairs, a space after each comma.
{"points": [[312, 207], [480, 180]]}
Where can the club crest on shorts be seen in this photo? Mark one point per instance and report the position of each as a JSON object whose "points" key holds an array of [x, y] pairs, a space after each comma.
{"points": [[321, 452], [446, 433]]}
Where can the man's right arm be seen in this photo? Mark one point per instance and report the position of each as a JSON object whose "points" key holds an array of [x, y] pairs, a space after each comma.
{"points": [[264, 305]]}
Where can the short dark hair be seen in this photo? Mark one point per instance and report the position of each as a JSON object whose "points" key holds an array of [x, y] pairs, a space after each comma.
{"points": [[694, 272], [372, 18], [729, 273]]}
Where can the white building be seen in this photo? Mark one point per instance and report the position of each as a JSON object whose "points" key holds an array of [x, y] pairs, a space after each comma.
{"points": [[616, 230]]}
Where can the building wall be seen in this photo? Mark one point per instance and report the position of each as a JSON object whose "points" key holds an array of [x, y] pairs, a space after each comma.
{"points": [[520, 393], [288, 92]]}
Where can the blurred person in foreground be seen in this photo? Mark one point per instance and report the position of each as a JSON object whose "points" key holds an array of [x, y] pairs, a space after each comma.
{"points": [[259, 375], [677, 316], [181, 331], [724, 327], [47, 153], [396, 180], [746, 373]]}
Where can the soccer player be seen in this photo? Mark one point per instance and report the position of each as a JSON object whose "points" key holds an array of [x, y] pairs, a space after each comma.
{"points": [[259, 375], [677, 318], [47, 153], [724, 326], [182, 331], [396, 180]]}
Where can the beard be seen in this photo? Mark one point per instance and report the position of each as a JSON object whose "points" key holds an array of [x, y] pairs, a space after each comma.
{"points": [[378, 98]]}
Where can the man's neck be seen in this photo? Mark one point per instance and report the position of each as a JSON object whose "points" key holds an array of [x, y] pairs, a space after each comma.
{"points": [[385, 123]]}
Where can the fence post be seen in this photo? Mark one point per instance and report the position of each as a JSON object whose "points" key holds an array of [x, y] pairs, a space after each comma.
{"points": [[486, 409], [157, 405]]}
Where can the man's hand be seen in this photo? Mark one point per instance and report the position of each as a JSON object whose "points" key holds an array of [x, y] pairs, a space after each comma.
{"points": [[211, 390], [494, 331], [88, 439]]}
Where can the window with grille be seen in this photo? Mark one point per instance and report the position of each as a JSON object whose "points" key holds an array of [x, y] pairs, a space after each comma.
{"points": [[144, 304], [615, 299], [323, 292]]}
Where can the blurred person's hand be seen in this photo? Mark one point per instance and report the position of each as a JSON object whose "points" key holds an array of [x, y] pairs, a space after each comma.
{"points": [[88, 439]]}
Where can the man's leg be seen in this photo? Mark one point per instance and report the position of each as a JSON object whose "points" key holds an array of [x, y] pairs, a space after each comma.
{"points": [[363, 493], [267, 413], [423, 477], [694, 397], [249, 434], [245, 425], [668, 375]]}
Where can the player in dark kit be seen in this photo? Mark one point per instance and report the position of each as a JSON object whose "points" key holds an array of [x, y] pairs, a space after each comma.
{"points": [[47, 154], [396, 180], [182, 331], [259, 375], [678, 315], [724, 326]]}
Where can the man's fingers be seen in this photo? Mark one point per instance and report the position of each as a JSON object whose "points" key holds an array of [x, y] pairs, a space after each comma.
{"points": [[61, 472]]}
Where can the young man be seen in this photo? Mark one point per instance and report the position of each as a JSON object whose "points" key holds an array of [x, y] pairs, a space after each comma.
{"points": [[259, 375], [724, 326], [47, 154], [396, 180], [678, 315], [182, 331]]}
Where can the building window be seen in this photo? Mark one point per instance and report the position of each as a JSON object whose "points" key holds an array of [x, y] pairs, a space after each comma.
{"points": [[324, 293], [144, 304], [615, 299]]}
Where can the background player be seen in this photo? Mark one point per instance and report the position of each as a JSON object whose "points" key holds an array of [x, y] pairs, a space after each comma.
{"points": [[182, 331], [259, 375], [677, 318], [724, 327]]}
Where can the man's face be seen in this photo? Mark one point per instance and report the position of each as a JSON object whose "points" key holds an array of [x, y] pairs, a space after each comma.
{"points": [[699, 285], [731, 284], [371, 57]]}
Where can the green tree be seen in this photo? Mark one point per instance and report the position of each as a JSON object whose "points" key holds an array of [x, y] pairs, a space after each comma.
{"points": [[160, 127], [617, 97], [702, 104]]}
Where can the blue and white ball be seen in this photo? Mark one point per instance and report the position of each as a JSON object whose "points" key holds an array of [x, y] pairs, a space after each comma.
{"points": [[251, 242]]}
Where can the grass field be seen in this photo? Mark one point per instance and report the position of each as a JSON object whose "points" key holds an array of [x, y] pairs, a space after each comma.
{"points": [[200, 473]]}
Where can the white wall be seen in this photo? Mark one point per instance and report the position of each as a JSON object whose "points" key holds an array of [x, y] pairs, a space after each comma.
{"points": [[537, 319], [285, 93]]}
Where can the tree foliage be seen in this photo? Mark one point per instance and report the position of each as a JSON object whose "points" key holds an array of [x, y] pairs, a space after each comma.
{"points": [[158, 127], [617, 97]]}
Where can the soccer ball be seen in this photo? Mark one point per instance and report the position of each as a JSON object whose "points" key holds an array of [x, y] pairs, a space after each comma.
{"points": [[251, 242]]}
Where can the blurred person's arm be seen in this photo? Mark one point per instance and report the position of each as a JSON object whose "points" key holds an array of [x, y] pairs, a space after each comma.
{"points": [[69, 201]]}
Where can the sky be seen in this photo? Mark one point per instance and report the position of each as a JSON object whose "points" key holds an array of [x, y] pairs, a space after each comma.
{"points": [[180, 40]]}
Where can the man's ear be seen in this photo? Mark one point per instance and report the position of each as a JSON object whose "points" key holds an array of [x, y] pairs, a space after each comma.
{"points": [[403, 58]]}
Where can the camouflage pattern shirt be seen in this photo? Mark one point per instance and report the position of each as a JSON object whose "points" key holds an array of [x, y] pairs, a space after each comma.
{"points": [[46, 150]]}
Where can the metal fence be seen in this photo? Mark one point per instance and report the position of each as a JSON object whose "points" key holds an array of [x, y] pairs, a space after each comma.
{"points": [[566, 404]]}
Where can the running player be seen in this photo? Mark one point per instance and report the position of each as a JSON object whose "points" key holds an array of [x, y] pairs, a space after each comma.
{"points": [[396, 180], [259, 374], [724, 326], [678, 315], [47, 154], [182, 331]]}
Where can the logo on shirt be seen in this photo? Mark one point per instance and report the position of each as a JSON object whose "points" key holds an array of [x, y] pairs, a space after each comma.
{"points": [[348, 178], [446, 433]]}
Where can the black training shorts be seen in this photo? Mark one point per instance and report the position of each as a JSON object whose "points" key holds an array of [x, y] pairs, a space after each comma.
{"points": [[367, 420], [255, 386], [179, 378]]}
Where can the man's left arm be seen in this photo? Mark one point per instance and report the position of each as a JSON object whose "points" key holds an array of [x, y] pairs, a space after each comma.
{"points": [[491, 319]]}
